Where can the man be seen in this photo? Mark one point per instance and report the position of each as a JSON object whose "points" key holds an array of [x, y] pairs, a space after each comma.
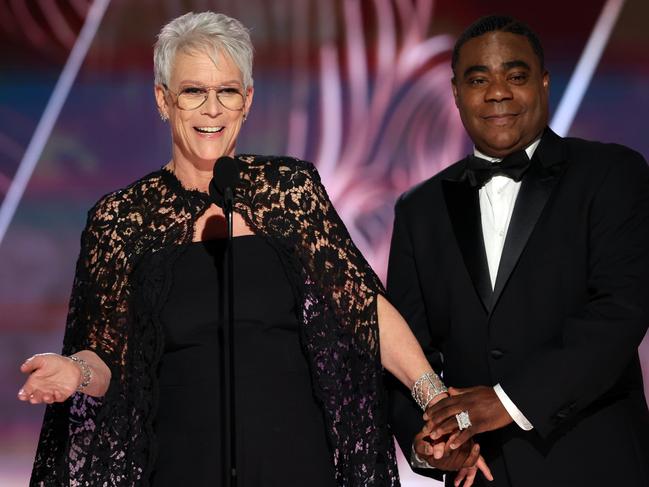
{"points": [[526, 280]]}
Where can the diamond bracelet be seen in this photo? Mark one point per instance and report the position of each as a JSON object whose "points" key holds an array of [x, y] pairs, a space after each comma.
{"points": [[426, 388], [86, 372]]}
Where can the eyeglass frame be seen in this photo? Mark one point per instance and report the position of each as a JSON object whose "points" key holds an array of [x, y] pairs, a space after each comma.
{"points": [[208, 88]]}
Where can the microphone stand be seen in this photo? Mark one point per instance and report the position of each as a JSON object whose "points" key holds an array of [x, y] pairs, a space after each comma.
{"points": [[221, 189], [231, 473]]}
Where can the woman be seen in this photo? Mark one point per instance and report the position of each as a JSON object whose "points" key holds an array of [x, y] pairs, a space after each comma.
{"points": [[141, 345]]}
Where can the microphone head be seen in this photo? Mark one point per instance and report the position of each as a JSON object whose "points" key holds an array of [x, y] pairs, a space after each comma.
{"points": [[225, 175]]}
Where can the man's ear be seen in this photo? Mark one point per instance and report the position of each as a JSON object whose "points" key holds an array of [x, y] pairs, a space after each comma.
{"points": [[546, 81]]}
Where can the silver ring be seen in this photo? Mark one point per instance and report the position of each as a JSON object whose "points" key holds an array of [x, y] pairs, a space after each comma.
{"points": [[463, 420]]}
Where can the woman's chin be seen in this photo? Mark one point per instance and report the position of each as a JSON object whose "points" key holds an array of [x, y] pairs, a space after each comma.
{"points": [[208, 158]]}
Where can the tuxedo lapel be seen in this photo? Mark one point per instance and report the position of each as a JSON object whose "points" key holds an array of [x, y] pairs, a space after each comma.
{"points": [[464, 211], [536, 187]]}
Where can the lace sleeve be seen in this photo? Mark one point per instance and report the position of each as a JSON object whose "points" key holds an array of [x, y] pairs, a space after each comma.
{"points": [[343, 341], [119, 288], [96, 317], [78, 440], [335, 264], [284, 200]]}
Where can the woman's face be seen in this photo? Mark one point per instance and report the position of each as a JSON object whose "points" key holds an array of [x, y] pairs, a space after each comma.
{"points": [[202, 135]]}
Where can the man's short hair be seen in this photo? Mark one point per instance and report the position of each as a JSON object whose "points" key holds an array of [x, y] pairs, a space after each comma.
{"points": [[500, 23]]}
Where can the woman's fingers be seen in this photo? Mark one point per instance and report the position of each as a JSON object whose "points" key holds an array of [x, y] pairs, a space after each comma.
{"points": [[461, 475], [23, 395], [473, 457], [473, 471], [26, 391], [484, 468], [469, 478], [36, 397], [470, 468], [467, 474], [32, 363], [438, 450], [456, 391], [38, 390], [47, 380]]}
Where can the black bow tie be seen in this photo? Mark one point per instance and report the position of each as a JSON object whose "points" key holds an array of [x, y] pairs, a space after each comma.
{"points": [[479, 171]]}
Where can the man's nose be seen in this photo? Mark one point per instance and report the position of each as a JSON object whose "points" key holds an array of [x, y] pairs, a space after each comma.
{"points": [[498, 90]]}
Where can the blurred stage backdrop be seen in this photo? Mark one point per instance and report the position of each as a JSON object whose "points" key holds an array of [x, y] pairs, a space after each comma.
{"points": [[359, 87]]}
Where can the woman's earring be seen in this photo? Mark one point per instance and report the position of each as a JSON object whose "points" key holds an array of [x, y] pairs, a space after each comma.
{"points": [[163, 117]]}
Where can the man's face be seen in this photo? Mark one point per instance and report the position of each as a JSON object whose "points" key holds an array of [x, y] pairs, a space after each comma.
{"points": [[501, 92]]}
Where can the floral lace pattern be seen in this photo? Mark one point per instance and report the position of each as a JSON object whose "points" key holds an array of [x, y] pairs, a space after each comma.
{"points": [[121, 284]]}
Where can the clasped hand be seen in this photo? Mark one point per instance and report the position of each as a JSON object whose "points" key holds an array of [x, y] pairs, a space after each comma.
{"points": [[444, 446], [485, 410]]}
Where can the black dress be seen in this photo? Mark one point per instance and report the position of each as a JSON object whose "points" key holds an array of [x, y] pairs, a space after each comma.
{"points": [[122, 280], [281, 437]]}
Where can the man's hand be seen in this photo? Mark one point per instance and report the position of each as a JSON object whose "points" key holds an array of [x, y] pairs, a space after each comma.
{"points": [[486, 413], [466, 459]]}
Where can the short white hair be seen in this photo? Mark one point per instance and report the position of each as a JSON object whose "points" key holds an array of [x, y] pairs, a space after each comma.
{"points": [[207, 32]]}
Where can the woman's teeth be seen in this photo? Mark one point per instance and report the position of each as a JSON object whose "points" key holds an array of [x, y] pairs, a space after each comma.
{"points": [[208, 130]]}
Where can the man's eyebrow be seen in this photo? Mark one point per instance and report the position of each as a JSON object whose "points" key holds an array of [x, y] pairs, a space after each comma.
{"points": [[515, 64], [479, 68]]}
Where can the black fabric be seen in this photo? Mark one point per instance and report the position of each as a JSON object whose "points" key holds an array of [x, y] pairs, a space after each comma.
{"points": [[479, 171], [122, 282], [280, 431], [569, 310], [464, 208]]}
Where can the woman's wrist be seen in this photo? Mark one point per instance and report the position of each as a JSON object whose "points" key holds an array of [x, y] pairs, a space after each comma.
{"points": [[85, 371], [427, 388], [437, 398]]}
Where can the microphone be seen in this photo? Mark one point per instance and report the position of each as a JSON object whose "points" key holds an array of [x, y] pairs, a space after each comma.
{"points": [[225, 178]]}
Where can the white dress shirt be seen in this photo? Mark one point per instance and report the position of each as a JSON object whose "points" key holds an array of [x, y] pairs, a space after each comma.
{"points": [[497, 198]]}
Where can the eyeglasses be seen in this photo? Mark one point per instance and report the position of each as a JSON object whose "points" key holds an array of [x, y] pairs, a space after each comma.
{"points": [[192, 97]]}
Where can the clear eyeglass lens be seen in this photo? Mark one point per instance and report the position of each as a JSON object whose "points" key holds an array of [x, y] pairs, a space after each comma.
{"points": [[190, 99], [231, 99]]}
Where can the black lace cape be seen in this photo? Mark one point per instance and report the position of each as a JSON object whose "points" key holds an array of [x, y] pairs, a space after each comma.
{"points": [[120, 287]]}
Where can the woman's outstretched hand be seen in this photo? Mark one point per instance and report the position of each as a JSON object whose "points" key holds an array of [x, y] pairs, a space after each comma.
{"points": [[54, 378]]}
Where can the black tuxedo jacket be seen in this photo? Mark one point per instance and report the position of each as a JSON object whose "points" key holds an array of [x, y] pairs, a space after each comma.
{"points": [[561, 329]]}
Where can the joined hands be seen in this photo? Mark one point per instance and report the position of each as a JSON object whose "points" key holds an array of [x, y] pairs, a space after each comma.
{"points": [[444, 446]]}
